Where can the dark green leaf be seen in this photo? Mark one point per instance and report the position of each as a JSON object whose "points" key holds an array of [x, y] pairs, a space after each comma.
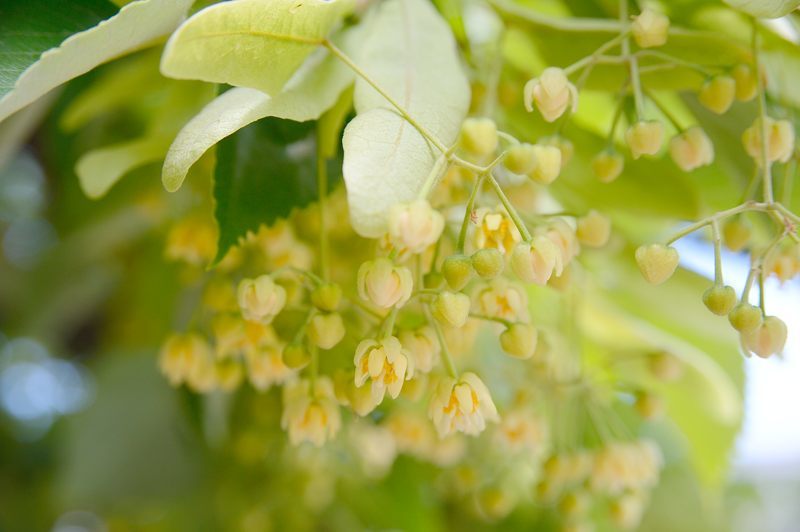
{"points": [[30, 27], [263, 172]]}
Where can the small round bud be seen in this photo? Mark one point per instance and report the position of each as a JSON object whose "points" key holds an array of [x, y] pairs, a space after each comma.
{"points": [[327, 296], [326, 330], [648, 405], [574, 504], [736, 233], [519, 340], [657, 262], [645, 138], [488, 262], [780, 140], [451, 309], [565, 146], [745, 317], [414, 226], [260, 299], [607, 166], [548, 164], [296, 356], [457, 271], [479, 136], [717, 94], [552, 93], [665, 367], [691, 149], [593, 229], [746, 82], [720, 299], [534, 261], [768, 339], [384, 284], [520, 159], [650, 28]]}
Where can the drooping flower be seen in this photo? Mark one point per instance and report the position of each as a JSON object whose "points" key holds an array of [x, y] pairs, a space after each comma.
{"points": [[261, 299], [461, 405], [384, 284], [310, 413], [552, 93], [385, 363], [415, 226]]}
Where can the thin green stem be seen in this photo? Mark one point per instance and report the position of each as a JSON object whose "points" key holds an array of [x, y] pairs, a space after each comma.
{"points": [[591, 59], [636, 83], [446, 357], [762, 113], [512, 212], [717, 253], [387, 327], [675, 61], [462, 234], [439, 168], [322, 191], [484, 317], [666, 112], [400, 109], [721, 215], [314, 367]]}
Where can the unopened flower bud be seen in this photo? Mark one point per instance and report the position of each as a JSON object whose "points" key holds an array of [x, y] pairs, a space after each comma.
{"points": [[650, 28], [520, 159], [534, 261], [384, 284], [767, 339], [745, 317], [548, 164], [691, 149], [645, 138], [326, 297], [296, 356], [593, 230], [457, 271], [657, 262], [746, 82], [415, 226], [451, 308], [432, 280], [720, 299], [607, 166], [479, 136], [488, 262], [564, 145], [736, 233], [326, 330], [780, 140], [519, 340], [260, 299], [717, 94], [552, 93], [648, 405]]}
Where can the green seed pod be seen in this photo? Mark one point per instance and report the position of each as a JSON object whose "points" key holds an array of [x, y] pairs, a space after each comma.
{"points": [[451, 309], [327, 296], [326, 330], [479, 136], [736, 233], [720, 299], [488, 263], [745, 317], [520, 159], [432, 280], [457, 271], [648, 405], [657, 262], [519, 340]]}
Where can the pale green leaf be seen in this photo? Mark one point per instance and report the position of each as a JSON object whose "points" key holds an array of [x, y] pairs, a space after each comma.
{"points": [[98, 170], [386, 159], [765, 8], [250, 43], [313, 89], [135, 25]]}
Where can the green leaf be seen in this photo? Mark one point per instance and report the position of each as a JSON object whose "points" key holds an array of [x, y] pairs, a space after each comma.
{"points": [[311, 91], [98, 170], [30, 27], [386, 159], [133, 26], [263, 172], [765, 8], [250, 43]]}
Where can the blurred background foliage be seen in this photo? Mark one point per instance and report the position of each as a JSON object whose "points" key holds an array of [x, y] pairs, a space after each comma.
{"points": [[90, 431]]}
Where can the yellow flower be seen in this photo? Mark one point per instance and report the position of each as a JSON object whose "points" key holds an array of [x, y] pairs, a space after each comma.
{"points": [[495, 229], [522, 430], [310, 413], [535, 261], [563, 236], [260, 299], [780, 140], [622, 466], [385, 364], [501, 298], [552, 93], [691, 149], [645, 138], [265, 367], [192, 240], [230, 337], [415, 226], [180, 354], [650, 29], [384, 284], [462, 405]]}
